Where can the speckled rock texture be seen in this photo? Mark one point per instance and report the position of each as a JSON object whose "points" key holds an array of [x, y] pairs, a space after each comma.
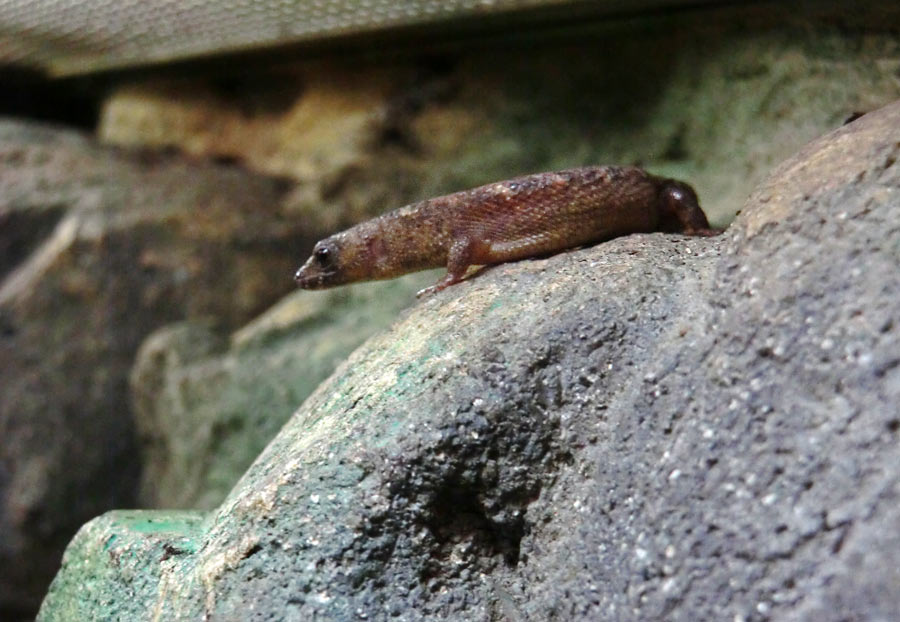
{"points": [[654, 428], [99, 247]]}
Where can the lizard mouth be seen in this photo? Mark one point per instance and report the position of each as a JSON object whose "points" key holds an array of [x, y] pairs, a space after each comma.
{"points": [[312, 281]]}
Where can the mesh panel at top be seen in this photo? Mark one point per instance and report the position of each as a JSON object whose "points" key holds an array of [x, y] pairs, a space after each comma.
{"points": [[81, 36]]}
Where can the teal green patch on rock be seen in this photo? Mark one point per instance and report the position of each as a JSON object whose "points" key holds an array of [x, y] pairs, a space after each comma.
{"points": [[134, 549], [159, 522]]}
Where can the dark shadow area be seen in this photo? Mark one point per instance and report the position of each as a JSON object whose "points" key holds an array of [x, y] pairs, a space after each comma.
{"points": [[23, 231], [31, 95], [458, 516]]}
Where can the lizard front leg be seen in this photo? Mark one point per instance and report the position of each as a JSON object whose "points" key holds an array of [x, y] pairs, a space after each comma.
{"points": [[458, 261]]}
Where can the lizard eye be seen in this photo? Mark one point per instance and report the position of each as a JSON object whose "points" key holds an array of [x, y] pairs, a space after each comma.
{"points": [[676, 194], [323, 255]]}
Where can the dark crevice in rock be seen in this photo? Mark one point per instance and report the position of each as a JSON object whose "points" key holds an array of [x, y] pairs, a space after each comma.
{"points": [[457, 516], [23, 231], [30, 95], [252, 93], [253, 550], [170, 551]]}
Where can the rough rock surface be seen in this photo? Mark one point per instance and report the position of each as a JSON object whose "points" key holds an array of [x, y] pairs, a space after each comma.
{"points": [[653, 428], [98, 248], [206, 407]]}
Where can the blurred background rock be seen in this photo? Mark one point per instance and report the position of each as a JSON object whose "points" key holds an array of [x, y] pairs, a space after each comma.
{"points": [[165, 166]]}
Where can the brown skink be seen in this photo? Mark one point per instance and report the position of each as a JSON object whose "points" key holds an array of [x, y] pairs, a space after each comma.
{"points": [[508, 220]]}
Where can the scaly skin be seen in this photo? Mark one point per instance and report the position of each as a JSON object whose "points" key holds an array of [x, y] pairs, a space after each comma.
{"points": [[505, 221]]}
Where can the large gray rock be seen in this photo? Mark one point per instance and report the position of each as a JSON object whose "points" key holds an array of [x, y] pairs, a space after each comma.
{"points": [[654, 428], [98, 248]]}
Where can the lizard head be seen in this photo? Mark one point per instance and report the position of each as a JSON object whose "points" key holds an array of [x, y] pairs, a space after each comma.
{"points": [[334, 261]]}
